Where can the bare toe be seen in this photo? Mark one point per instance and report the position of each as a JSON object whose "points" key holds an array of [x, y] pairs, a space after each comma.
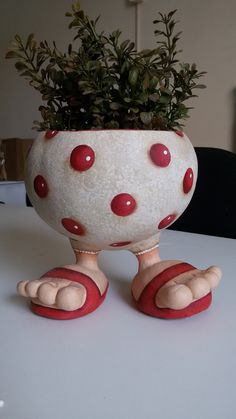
{"points": [[71, 298], [213, 276], [175, 297], [21, 288], [199, 287], [32, 287], [47, 293]]}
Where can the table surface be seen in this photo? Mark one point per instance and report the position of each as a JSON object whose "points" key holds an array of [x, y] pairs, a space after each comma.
{"points": [[116, 362]]}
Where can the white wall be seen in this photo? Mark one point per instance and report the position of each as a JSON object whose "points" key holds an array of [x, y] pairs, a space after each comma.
{"points": [[46, 19], [209, 39]]}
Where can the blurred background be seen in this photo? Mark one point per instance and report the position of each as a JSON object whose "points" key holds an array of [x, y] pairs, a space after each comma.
{"points": [[208, 39]]}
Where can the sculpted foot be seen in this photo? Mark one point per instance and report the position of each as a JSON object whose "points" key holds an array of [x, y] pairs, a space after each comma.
{"points": [[54, 292], [172, 289], [188, 287], [68, 292]]}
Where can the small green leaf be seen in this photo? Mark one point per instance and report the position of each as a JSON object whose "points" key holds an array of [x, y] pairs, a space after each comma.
{"points": [[20, 66], [200, 86], [145, 53], [154, 97], [76, 6], [124, 44], [88, 92], [124, 67], [131, 46], [170, 14], [164, 99], [13, 54], [18, 39], [146, 81], [112, 125], [133, 76], [166, 92], [127, 99], [36, 85], [153, 82], [29, 40], [114, 106], [27, 74], [134, 110], [146, 117]]}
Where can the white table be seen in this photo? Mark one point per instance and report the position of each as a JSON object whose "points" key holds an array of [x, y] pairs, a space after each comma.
{"points": [[115, 363], [13, 193]]}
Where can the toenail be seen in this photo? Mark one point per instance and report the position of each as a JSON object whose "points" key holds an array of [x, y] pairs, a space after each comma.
{"points": [[21, 288]]}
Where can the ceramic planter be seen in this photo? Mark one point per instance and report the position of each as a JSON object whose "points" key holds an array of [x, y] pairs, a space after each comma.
{"points": [[111, 189]]}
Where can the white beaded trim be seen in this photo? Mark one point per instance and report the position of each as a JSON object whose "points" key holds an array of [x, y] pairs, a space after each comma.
{"points": [[142, 252], [88, 252]]}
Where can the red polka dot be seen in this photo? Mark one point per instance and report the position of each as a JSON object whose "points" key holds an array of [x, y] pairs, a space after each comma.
{"points": [[160, 155], [40, 186], [50, 134], [120, 244], [123, 204], [82, 158], [166, 221], [73, 226], [179, 133], [188, 180]]}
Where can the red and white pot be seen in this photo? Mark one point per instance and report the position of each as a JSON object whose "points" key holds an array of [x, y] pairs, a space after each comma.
{"points": [[111, 189]]}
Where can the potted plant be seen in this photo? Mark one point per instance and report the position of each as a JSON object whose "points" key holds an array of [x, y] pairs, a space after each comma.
{"points": [[111, 166]]}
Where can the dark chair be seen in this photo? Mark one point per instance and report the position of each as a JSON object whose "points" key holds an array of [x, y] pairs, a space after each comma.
{"points": [[27, 201], [212, 210]]}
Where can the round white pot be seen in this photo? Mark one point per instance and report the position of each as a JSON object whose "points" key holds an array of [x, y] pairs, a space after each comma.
{"points": [[111, 189]]}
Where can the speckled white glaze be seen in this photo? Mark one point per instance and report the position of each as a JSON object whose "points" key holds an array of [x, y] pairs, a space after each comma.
{"points": [[122, 165]]}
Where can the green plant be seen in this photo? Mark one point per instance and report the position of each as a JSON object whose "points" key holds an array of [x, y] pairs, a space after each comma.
{"points": [[106, 83]]}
